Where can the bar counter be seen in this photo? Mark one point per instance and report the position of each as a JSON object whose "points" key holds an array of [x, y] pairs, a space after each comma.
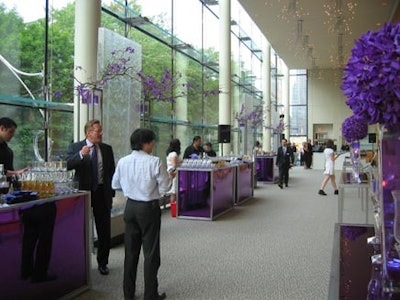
{"points": [[205, 193], [70, 253], [266, 169]]}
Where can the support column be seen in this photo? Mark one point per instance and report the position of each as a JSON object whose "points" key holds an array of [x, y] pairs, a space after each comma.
{"points": [[181, 105], [266, 89], [87, 22], [225, 68], [285, 99]]}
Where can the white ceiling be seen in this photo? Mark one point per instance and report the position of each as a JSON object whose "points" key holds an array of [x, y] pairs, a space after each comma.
{"points": [[306, 37]]}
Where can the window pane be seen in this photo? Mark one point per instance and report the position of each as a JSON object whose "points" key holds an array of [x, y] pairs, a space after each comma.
{"points": [[298, 120]]}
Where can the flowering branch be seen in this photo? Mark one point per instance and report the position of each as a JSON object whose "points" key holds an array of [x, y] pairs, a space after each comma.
{"points": [[168, 88], [278, 128], [254, 118], [241, 116], [119, 65], [164, 89]]}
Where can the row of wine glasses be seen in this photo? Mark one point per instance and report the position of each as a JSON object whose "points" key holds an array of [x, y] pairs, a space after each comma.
{"points": [[48, 166], [55, 176], [197, 163]]}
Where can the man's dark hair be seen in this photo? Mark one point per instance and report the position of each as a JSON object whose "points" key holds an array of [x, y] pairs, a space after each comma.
{"points": [[7, 123], [196, 138], [208, 144], [140, 137]]}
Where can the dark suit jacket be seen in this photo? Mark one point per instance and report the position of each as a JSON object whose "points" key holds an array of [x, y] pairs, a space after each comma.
{"points": [[284, 160], [83, 168]]}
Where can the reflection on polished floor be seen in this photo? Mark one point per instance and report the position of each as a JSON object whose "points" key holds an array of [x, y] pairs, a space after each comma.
{"points": [[277, 246]]}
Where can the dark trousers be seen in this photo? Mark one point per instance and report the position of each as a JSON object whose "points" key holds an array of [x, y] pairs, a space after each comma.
{"points": [[142, 228], [38, 222], [102, 219], [283, 174]]}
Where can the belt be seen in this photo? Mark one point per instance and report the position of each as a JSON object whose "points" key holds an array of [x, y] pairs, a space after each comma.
{"points": [[144, 201]]}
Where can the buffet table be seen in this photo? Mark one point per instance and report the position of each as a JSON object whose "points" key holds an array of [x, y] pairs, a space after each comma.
{"points": [[266, 169], [70, 254]]}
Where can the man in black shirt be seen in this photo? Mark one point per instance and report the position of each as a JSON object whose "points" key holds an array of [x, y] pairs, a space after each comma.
{"points": [[194, 148], [209, 150], [7, 131], [38, 220]]}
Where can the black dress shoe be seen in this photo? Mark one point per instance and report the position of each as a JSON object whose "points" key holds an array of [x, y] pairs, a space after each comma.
{"points": [[280, 185], [103, 270], [286, 185], [161, 297], [43, 278]]}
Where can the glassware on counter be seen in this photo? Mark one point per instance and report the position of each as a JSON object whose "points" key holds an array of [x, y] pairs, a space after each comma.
{"points": [[4, 185], [49, 179]]}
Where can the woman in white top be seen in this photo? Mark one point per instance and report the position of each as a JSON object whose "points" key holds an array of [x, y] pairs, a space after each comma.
{"points": [[173, 161], [329, 172]]}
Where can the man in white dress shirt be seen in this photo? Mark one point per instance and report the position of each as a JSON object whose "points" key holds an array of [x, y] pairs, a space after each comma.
{"points": [[143, 179]]}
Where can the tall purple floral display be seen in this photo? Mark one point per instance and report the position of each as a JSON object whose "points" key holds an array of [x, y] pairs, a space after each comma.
{"points": [[371, 84], [353, 130], [390, 181]]}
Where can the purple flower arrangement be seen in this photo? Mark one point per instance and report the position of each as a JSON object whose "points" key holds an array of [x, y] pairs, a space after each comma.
{"points": [[354, 129], [371, 82]]}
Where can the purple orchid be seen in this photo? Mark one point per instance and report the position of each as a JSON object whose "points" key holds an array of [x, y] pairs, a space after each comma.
{"points": [[371, 81], [354, 129]]}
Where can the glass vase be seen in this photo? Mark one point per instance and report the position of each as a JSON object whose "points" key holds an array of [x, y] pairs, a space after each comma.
{"points": [[389, 181], [355, 160]]}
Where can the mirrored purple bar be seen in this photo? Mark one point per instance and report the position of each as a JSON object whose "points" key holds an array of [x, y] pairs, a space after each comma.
{"points": [[69, 257], [244, 182], [265, 168], [205, 194]]}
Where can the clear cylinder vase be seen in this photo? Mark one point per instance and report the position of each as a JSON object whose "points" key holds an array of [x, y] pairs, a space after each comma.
{"points": [[355, 159], [389, 181]]}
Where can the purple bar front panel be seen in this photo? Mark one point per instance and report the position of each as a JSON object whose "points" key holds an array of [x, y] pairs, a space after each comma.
{"points": [[194, 193], [68, 259], [244, 182], [223, 185], [265, 168], [204, 194]]}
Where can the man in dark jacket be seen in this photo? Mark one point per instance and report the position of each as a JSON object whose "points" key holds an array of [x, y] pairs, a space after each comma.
{"points": [[94, 166], [284, 161]]}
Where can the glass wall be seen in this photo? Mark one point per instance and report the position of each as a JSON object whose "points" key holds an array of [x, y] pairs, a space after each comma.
{"points": [[40, 106], [173, 43]]}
